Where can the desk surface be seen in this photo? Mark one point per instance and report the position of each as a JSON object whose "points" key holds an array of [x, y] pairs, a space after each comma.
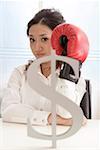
{"points": [[14, 137]]}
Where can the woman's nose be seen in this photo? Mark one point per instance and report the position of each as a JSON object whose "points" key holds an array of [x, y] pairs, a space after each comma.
{"points": [[38, 46]]}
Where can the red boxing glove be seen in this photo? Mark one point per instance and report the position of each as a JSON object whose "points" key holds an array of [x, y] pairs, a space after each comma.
{"points": [[77, 41]]}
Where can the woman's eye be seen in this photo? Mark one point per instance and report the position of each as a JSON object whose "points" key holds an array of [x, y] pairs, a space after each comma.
{"points": [[32, 40], [45, 39]]}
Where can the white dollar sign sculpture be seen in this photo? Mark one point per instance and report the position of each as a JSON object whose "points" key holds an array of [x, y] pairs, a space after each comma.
{"points": [[55, 97]]}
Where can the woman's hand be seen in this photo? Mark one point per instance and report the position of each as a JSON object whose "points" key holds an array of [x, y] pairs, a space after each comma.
{"points": [[64, 121], [60, 120]]}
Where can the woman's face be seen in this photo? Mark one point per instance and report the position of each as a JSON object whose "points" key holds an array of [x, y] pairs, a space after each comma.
{"points": [[40, 40]]}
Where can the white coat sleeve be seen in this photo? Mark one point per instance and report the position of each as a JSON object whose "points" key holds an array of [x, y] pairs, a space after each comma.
{"points": [[73, 91], [12, 108], [80, 90]]}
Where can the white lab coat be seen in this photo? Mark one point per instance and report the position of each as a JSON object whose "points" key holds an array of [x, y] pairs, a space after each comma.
{"points": [[20, 101]]}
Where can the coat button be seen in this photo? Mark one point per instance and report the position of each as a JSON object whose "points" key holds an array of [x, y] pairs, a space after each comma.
{"points": [[43, 120], [35, 119]]}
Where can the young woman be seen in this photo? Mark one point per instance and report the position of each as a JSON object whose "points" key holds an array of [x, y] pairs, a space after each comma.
{"points": [[20, 100]]}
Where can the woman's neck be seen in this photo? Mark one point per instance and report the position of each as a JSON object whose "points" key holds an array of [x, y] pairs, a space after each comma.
{"points": [[46, 69]]}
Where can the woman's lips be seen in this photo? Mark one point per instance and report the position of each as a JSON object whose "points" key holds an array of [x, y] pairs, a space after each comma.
{"points": [[40, 55]]}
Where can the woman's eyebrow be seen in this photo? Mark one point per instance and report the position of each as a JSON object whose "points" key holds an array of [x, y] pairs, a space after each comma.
{"points": [[44, 34], [30, 35]]}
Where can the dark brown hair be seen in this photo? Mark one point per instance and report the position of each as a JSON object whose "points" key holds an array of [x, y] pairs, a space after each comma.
{"points": [[48, 17]]}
